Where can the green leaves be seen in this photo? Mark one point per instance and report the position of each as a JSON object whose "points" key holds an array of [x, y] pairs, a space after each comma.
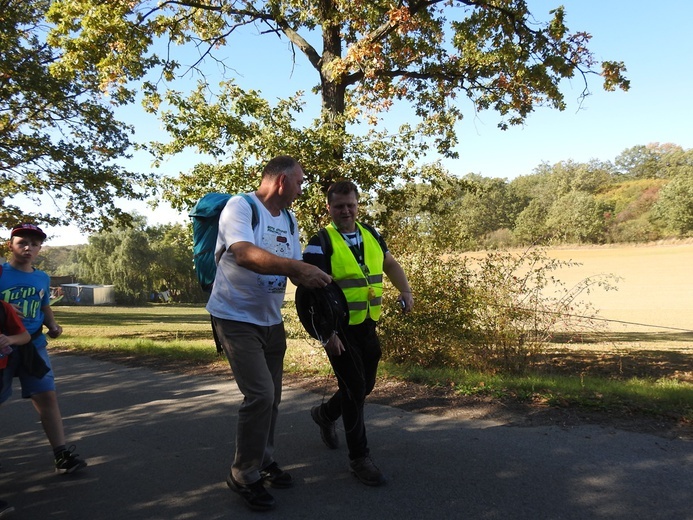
{"points": [[438, 58], [58, 142], [485, 311], [675, 205], [141, 259]]}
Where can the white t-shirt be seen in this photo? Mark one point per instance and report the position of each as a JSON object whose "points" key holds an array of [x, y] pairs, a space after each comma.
{"points": [[241, 294]]}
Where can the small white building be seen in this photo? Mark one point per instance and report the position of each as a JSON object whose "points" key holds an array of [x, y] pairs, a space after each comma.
{"points": [[79, 294]]}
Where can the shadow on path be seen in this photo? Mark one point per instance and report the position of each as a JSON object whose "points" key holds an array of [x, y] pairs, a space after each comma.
{"points": [[159, 446]]}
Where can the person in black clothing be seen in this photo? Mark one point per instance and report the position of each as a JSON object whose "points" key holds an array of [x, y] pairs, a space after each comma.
{"points": [[357, 257]]}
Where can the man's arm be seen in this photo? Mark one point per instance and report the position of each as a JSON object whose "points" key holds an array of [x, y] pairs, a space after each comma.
{"points": [[256, 259], [398, 278]]}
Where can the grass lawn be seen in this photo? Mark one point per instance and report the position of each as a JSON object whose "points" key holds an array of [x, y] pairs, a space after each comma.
{"points": [[621, 374]]}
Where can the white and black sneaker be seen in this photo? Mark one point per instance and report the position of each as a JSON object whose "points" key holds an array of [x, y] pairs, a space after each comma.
{"points": [[67, 461]]}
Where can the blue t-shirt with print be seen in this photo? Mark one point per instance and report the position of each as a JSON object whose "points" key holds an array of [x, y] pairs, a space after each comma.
{"points": [[28, 293]]}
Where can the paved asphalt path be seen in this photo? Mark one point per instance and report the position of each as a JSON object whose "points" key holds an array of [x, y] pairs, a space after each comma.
{"points": [[159, 446]]}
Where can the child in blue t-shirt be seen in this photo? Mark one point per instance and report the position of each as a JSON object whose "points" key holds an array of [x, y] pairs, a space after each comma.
{"points": [[28, 290]]}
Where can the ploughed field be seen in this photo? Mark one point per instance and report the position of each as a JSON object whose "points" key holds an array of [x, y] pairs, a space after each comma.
{"points": [[646, 325], [648, 320]]}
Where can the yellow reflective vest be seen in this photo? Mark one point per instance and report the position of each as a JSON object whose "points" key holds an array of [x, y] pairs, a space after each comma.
{"points": [[363, 288]]}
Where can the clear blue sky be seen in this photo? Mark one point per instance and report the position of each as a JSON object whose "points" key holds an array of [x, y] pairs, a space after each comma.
{"points": [[653, 40]]}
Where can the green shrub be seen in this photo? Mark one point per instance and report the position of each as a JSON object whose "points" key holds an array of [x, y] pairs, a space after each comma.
{"points": [[632, 198], [632, 202], [636, 230], [674, 210], [437, 333], [522, 303], [495, 313]]}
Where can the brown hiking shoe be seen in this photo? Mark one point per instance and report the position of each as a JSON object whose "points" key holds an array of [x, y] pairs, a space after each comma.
{"points": [[255, 495], [367, 472], [328, 432]]}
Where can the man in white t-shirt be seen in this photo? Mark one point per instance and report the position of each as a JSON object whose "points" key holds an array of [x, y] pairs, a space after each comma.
{"points": [[253, 263]]}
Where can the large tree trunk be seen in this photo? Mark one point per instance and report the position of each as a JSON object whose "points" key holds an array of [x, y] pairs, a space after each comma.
{"points": [[333, 87]]}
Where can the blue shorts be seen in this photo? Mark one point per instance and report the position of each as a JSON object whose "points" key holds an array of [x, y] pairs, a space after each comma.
{"points": [[30, 385]]}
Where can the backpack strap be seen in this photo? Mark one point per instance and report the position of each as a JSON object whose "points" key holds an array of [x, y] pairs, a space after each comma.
{"points": [[291, 221], [256, 218]]}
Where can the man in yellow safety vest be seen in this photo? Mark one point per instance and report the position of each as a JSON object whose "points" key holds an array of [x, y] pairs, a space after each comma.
{"points": [[356, 256]]}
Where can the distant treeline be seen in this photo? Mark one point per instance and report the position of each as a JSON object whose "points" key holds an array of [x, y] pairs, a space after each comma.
{"points": [[645, 194]]}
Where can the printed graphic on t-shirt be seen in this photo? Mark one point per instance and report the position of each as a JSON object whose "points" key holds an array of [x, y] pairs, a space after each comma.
{"points": [[26, 300], [272, 283], [276, 242]]}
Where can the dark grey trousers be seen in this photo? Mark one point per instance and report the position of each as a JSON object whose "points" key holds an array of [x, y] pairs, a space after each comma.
{"points": [[256, 356]]}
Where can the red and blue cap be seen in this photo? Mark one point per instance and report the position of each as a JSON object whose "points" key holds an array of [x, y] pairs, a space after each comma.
{"points": [[21, 230]]}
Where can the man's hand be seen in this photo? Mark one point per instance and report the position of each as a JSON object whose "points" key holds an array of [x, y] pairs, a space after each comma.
{"points": [[406, 301], [334, 346], [311, 276]]}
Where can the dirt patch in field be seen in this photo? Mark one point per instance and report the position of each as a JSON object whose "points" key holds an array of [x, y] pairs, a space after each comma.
{"points": [[654, 287]]}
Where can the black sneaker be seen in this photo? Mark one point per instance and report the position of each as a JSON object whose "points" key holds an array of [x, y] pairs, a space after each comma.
{"points": [[5, 509], [255, 495], [68, 462], [328, 432], [276, 477], [366, 471]]}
